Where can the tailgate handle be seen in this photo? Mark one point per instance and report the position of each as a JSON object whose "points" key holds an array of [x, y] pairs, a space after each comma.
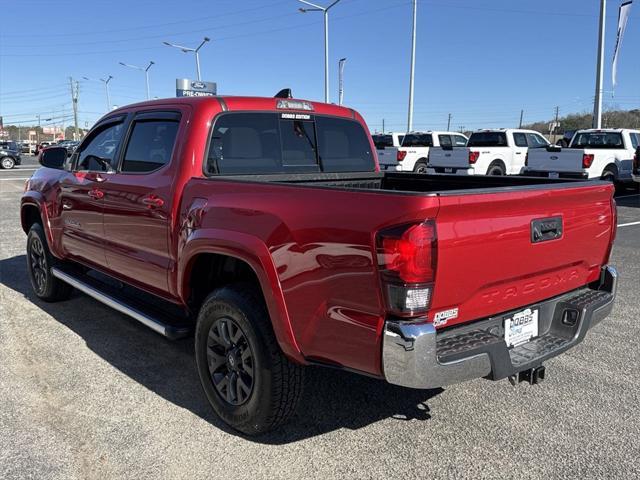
{"points": [[545, 229]]}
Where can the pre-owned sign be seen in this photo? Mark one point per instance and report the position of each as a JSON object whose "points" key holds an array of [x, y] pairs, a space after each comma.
{"points": [[194, 88]]}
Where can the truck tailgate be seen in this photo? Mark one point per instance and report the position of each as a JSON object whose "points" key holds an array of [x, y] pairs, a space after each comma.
{"points": [[488, 263], [565, 160], [449, 158], [387, 157]]}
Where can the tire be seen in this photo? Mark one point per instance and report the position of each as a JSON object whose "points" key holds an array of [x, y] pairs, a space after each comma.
{"points": [[39, 263], [234, 337], [497, 169], [610, 174], [7, 163], [420, 167]]}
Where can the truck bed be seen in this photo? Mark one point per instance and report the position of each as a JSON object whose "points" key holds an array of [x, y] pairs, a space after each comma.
{"points": [[409, 183]]}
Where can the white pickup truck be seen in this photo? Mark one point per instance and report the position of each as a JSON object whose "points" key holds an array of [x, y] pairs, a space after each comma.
{"points": [[488, 152], [593, 153], [409, 152]]}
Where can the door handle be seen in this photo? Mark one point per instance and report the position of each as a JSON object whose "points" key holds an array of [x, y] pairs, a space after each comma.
{"points": [[96, 194], [153, 201]]}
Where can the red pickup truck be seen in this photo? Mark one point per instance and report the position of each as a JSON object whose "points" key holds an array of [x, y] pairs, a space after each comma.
{"points": [[264, 227]]}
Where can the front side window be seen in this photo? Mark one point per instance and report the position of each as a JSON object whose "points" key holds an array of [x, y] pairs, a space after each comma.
{"points": [[99, 154], [520, 139], [635, 139], [150, 145], [536, 141]]}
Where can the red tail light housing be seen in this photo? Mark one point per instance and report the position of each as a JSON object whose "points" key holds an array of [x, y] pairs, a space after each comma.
{"points": [[614, 229], [473, 156], [636, 161], [587, 160], [400, 155], [407, 258]]}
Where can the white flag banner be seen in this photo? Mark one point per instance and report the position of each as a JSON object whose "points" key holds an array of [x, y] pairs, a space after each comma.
{"points": [[623, 16]]}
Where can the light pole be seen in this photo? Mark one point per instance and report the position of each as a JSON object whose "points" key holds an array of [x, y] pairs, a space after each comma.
{"points": [[413, 67], [325, 11], [597, 104], [194, 50], [341, 80], [145, 70], [106, 87]]}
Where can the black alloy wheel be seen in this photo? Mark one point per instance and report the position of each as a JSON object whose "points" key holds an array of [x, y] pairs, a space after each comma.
{"points": [[230, 361]]}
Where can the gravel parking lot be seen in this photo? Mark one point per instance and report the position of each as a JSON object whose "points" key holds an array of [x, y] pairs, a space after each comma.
{"points": [[89, 393]]}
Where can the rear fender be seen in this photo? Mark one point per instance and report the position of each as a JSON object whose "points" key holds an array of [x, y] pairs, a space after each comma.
{"points": [[254, 253]]}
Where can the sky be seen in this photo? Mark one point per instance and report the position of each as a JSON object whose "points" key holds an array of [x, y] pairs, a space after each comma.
{"points": [[481, 61]]}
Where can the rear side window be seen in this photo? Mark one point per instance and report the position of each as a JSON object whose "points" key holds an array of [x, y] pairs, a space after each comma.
{"points": [[150, 145], [598, 140], [520, 139], [382, 141], [445, 140], [263, 143], [417, 140], [488, 139]]}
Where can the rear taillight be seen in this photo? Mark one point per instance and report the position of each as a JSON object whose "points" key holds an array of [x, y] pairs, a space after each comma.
{"points": [[400, 155], [526, 159], [407, 263], [587, 160], [473, 156], [636, 162]]}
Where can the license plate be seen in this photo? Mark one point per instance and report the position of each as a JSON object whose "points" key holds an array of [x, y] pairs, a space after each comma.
{"points": [[554, 175], [448, 170], [521, 327]]}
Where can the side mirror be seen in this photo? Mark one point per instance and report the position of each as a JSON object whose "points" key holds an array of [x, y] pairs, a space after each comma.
{"points": [[53, 157]]}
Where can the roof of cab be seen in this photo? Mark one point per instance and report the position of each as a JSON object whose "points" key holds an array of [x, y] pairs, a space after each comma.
{"points": [[234, 103]]}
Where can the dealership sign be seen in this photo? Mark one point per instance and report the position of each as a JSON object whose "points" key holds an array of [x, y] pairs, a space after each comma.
{"points": [[194, 88]]}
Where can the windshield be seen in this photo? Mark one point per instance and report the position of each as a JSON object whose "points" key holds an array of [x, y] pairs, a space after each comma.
{"points": [[598, 140], [488, 139]]}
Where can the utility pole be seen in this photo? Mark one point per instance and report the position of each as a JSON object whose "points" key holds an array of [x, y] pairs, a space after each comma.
{"points": [[521, 117], [555, 126], [449, 123], [383, 125], [413, 66], [597, 107], [38, 130], [74, 101]]}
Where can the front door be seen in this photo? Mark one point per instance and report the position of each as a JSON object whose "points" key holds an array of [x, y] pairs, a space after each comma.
{"points": [[81, 193], [137, 203]]}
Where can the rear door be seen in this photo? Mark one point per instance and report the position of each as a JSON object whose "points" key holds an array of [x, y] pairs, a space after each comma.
{"points": [[489, 261], [137, 201]]}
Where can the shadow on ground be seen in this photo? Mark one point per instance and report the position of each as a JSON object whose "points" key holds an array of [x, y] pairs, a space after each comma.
{"points": [[332, 399]]}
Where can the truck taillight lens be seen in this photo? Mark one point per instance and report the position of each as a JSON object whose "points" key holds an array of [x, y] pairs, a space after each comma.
{"points": [[473, 157], [526, 159], [587, 160], [614, 229], [400, 155], [636, 162], [407, 263]]}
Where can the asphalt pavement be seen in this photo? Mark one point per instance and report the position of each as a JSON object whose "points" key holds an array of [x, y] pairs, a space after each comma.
{"points": [[88, 393]]}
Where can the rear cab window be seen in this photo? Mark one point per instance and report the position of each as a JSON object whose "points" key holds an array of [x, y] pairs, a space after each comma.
{"points": [[417, 140], [488, 139], [382, 141], [603, 140], [279, 143]]}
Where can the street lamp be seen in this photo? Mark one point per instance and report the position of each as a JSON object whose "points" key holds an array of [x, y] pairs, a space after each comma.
{"points": [[106, 87], [194, 50], [325, 11], [145, 70]]}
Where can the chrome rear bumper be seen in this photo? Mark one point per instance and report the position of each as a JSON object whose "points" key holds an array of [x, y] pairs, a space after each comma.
{"points": [[410, 350]]}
